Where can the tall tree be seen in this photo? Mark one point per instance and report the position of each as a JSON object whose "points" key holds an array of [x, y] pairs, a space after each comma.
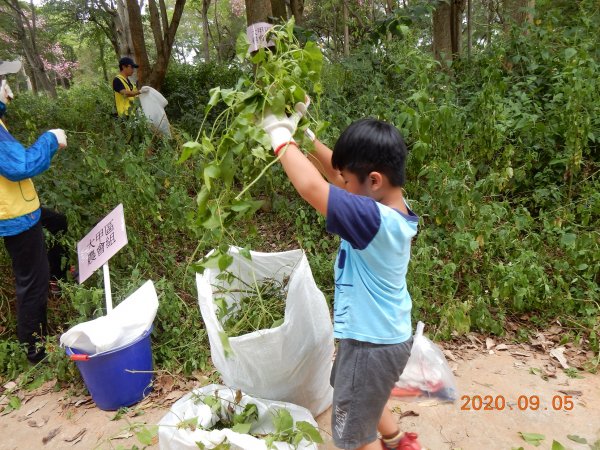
{"points": [[447, 29], [26, 30], [163, 32], [205, 30], [258, 11], [517, 12], [297, 7], [279, 9]]}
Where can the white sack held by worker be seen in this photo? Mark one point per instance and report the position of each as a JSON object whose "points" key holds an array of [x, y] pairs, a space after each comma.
{"points": [[153, 105]]}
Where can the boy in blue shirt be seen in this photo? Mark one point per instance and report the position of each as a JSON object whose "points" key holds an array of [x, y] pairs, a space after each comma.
{"points": [[364, 204]]}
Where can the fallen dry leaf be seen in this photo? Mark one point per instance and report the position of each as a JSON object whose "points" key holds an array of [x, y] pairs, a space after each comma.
{"points": [[489, 343], [450, 355], [50, 435], [570, 392], [520, 353], [31, 411], [558, 353], [123, 435], [409, 413], [500, 347], [77, 436]]}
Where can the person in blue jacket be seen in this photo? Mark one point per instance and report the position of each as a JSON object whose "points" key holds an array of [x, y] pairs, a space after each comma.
{"points": [[21, 227]]}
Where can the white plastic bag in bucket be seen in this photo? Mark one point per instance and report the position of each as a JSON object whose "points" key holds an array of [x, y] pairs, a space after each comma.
{"points": [[192, 421], [124, 324], [289, 363]]}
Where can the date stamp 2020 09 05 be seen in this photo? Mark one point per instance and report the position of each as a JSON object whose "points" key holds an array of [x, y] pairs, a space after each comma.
{"points": [[521, 403]]}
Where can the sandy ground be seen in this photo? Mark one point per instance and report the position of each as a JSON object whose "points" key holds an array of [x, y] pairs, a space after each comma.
{"points": [[47, 421]]}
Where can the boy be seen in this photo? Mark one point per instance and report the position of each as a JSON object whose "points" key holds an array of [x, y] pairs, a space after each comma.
{"points": [[364, 204]]}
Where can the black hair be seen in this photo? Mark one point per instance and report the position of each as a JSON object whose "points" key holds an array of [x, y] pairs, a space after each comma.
{"points": [[371, 145]]}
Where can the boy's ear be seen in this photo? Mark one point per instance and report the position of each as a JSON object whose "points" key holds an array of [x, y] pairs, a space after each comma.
{"points": [[375, 180]]}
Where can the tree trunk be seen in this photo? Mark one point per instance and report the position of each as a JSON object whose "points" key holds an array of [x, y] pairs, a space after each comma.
{"points": [[205, 30], [442, 32], [457, 8], [279, 9], [164, 38], [297, 7], [516, 12], [346, 31], [26, 35], [447, 29], [121, 29], [257, 11], [469, 32], [136, 31]]}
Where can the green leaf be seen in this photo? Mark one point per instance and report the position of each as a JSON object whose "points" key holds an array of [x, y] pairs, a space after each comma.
{"points": [[227, 168], [570, 52], [283, 421], [577, 439], [211, 171], [215, 95], [224, 261], [225, 343], [202, 200], [243, 428], [568, 239], [245, 252], [309, 432], [242, 45], [557, 446], [534, 439], [207, 146], [246, 206], [147, 435], [189, 149]]}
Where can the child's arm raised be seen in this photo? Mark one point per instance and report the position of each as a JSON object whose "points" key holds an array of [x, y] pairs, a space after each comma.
{"points": [[302, 173], [320, 157], [305, 177]]}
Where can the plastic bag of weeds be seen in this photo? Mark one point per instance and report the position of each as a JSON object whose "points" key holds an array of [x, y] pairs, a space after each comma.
{"points": [[204, 417], [290, 362]]}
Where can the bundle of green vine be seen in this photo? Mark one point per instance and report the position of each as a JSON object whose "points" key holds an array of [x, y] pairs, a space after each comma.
{"points": [[234, 152], [259, 306]]}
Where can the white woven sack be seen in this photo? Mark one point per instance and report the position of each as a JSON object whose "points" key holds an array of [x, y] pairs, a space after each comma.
{"points": [[153, 105], [290, 363], [171, 436]]}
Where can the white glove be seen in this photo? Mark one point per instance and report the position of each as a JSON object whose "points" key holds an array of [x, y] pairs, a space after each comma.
{"points": [[6, 93], [281, 129], [145, 89], [61, 137], [301, 110]]}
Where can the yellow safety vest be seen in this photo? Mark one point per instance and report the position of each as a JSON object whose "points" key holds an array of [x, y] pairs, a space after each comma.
{"points": [[17, 198], [123, 103]]}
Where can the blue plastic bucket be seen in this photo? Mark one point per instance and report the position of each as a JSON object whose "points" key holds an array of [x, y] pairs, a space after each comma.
{"points": [[107, 375]]}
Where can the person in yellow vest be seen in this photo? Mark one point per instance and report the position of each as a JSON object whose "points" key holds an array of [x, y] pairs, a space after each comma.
{"points": [[21, 227], [125, 90]]}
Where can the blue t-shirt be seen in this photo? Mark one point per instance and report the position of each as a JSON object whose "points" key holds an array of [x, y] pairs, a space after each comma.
{"points": [[371, 301]]}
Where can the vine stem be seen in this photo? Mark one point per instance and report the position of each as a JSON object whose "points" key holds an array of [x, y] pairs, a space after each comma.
{"points": [[260, 175]]}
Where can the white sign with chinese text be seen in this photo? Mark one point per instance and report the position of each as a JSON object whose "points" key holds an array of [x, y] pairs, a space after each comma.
{"points": [[100, 244], [256, 35]]}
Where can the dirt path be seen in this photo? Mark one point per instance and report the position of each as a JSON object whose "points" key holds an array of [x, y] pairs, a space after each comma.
{"points": [[54, 421]]}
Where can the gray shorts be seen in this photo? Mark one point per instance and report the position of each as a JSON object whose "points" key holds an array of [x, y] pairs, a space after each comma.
{"points": [[362, 377]]}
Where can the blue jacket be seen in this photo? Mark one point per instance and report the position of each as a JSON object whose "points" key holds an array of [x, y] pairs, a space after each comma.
{"points": [[18, 163]]}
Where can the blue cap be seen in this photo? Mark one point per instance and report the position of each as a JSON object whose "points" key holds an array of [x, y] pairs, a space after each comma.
{"points": [[126, 61]]}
